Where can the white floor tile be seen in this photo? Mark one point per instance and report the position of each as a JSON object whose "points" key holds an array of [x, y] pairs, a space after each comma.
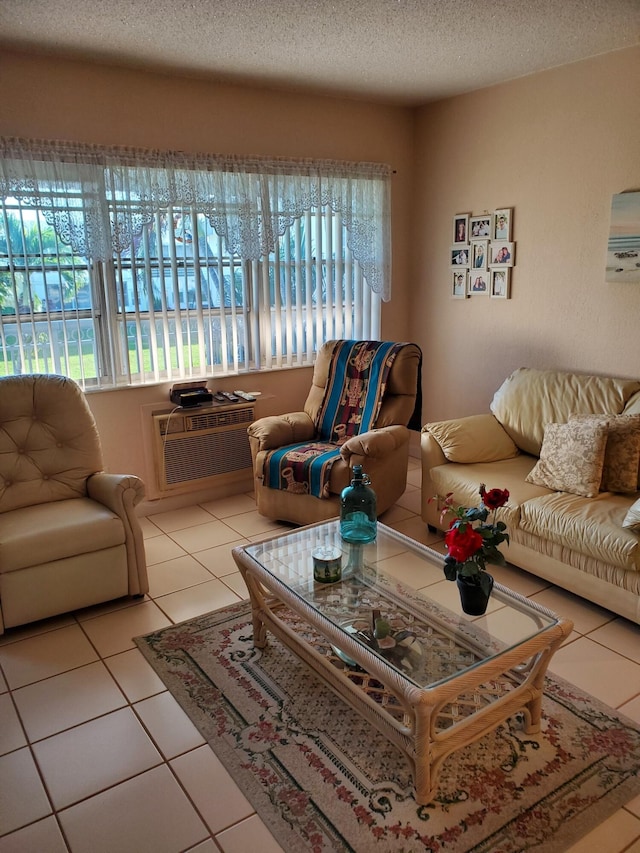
{"points": [[11, 733], [89, 758], [252, 523], [518, 580], [601, 672], [162, 548], [395, 514], [249, 834], [173, 575], [415, 528], [621, 636], [41, 837], [34, 629], [178, 519], [22, 795], [218, 560], [114, 632], [411, 569], [197, 600], [585, 616], [195, 539], [168, 725], [631, 709], [149, 529], [411, 500], [68, 699], [148, 813], [204, 777], [233, 505], [236, 582], [611, 836], [134, 675], [208, 846], [45, 655]]}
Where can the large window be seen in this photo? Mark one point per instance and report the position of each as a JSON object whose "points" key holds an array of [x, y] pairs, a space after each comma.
{"points": [[111, 275]]}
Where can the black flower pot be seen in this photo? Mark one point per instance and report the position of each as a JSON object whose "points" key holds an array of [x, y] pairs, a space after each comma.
{"points": [[473, 598]]}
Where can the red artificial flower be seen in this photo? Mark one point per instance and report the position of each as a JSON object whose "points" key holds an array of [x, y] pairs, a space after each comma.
{"points": [[462, 542], [494, 498]]}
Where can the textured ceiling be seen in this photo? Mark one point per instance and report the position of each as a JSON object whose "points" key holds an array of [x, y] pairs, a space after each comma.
{"points": [[400, 51]]}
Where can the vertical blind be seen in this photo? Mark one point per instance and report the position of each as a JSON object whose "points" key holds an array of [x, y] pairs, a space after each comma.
{"points": [[174, 265]]}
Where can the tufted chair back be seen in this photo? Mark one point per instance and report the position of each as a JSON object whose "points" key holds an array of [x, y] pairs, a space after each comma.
{"points": [[49, 443]]}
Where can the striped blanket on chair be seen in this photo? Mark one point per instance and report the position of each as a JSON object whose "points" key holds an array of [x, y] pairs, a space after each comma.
{"points": [[355, 389]]}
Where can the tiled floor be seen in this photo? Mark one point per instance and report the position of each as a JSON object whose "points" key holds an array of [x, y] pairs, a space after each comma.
{"points": [[95, 755]]}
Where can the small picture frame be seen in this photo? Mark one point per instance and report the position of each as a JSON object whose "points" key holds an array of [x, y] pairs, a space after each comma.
{"points": [[478, 283], [502, 223], [461, 228], [459, 284], [501, 254], [480, 227], [459, 256], [500, 283], [479, 254]]}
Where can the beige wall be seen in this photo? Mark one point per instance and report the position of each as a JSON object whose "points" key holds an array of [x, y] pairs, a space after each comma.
{"points": [[554, 146], [56, 99]]}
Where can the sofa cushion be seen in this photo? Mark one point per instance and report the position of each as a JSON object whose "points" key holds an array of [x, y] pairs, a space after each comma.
{"points": [[590, 526], [622, 453], [478, 438], [56, 530], [633, 405], [464, 482], [529, 399], [632, 518], [571, 458]]}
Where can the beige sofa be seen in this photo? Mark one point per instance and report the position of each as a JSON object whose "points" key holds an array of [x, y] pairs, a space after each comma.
{"points": [[589, 545], [69, 534]]}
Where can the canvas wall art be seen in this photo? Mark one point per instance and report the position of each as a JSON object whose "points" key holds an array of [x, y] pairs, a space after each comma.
{"points": [[623, 251]]}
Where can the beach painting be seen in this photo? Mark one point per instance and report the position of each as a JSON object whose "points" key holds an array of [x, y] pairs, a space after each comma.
{"points": [[623, 251]]}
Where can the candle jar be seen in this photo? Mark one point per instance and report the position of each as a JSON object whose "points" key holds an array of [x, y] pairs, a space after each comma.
{"points": [[327, 564]]}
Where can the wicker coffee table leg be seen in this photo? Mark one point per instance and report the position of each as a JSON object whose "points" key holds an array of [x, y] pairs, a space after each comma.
{"points": [[258, 605], [428, 761]]}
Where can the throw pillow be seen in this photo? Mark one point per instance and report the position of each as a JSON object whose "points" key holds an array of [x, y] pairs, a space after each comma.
{"points": [[571, 458], [476, 438], [622, 453], [632, 518]]}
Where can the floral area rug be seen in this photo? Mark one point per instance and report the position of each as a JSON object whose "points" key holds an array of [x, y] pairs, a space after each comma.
{"points": [[323, 779]]}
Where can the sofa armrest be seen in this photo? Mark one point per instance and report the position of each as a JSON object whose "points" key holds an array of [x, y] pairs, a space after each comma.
{"points": [[477, 438], [431, 456], [279, 430], [374, 444], [121, 493]]}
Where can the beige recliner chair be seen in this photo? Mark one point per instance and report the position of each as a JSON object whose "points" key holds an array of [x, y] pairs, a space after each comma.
{"points": [[382, 451], [69, 535]]}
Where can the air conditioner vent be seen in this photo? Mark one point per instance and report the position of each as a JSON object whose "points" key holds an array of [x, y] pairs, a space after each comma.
{"points": [[195, 448], [213, 420]]}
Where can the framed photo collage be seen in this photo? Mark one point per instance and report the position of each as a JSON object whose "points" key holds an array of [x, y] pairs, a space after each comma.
{"points": [[482, 255]]}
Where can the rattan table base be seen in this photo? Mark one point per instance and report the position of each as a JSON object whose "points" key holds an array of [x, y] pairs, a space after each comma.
{"points": [[427, 723]]}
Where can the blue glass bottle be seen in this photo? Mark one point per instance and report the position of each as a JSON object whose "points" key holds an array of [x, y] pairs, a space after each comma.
{"points": [[358, 517]]}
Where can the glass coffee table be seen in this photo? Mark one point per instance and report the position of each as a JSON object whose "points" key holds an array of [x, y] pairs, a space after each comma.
{"points": [[430, 678]]}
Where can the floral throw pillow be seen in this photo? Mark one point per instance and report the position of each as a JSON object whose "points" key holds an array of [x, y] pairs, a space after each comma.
{"points": [[571, 458], [622, 453]]}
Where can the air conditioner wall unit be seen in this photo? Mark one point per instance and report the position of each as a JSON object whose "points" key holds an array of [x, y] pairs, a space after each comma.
{"points": [[197, 449]]}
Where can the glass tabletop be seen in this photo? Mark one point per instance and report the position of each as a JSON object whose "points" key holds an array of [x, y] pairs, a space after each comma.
{"points": [[389, 598]]}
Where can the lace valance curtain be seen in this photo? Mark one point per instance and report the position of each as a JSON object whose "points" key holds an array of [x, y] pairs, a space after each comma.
{"points": [[99, 199]]}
